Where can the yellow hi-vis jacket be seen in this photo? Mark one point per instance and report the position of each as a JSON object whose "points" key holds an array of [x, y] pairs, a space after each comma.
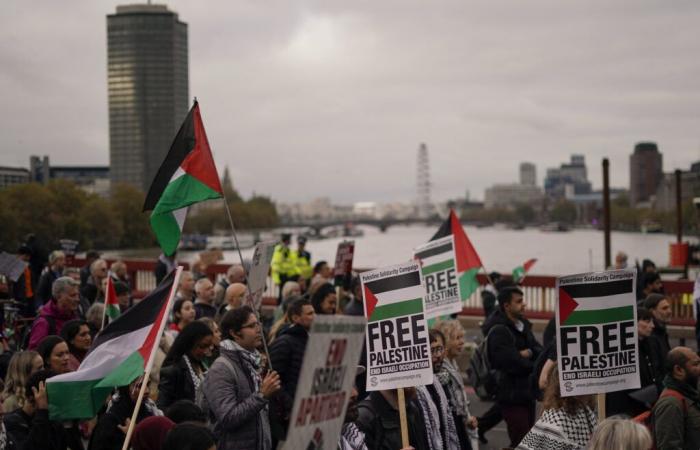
{"points": [[304, 268], [284, 262]]}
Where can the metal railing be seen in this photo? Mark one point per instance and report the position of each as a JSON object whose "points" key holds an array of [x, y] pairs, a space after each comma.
{"points": [[539, 290]]}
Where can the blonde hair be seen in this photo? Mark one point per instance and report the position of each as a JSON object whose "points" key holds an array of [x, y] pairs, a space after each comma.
{"points": [[18, 372], [449, 328], [620, 434]]}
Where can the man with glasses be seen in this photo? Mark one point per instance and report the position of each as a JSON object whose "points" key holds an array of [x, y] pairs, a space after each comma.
{"points": [[236, 394], [92, 290]]}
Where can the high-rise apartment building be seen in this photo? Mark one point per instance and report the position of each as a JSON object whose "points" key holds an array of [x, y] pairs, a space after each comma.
{"points": [[528, 174], [646, 172], [147, 73]]}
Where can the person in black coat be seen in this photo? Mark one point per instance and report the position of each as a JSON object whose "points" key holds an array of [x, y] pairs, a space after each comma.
{"points": [[620, 402], [286, 358], [659, 344], [513, 350], [182, 369], [107, 435], [378, 419]]}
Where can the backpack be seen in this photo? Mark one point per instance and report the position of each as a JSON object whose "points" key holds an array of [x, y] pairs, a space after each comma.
{"points": [[27, 334], [646, 419], [482, 377], [201, 400]]}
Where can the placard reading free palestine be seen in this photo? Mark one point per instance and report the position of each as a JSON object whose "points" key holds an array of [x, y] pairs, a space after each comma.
{"points": [[398, 350], [596, 320], [437, 260]]}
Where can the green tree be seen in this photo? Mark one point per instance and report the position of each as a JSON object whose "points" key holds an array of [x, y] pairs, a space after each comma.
{"points": [[563, 211], [127, 203], [525, 213]]}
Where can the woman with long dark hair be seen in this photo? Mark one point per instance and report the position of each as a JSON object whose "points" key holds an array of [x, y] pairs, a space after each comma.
{"points": [[183, 368], [76, 333]]}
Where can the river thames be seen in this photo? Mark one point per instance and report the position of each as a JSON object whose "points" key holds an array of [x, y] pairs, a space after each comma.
{"points": [[500, 249]]}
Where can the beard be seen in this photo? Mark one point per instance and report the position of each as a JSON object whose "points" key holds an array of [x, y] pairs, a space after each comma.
{"points": [[352, 413]]}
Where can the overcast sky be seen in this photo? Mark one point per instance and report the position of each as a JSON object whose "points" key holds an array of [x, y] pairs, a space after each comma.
{"points": [[304, 99]]}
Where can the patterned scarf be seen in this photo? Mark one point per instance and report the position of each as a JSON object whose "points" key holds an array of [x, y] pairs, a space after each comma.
{"points": [[196, 379], [351, 438], [434, 416], [451, 381], [251, 360]]}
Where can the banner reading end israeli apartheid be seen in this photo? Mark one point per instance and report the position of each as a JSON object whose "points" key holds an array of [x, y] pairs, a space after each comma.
{"points": [[597, 341], [437, 260], [398, 351], [326, 380]]}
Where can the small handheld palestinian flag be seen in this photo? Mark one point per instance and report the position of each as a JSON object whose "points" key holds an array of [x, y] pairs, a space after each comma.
{"points": [[520, 272], [123, 351], [468, 261], [112, 310], [187, 176]]}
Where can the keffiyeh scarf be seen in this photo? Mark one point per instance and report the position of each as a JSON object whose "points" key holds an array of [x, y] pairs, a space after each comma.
{"points": [[437, 418], [351, 438]]}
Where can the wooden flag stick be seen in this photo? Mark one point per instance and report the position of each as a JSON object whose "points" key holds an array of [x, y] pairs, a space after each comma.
{"points": [[601, 407], [151, 358], [245, 274], [402, 418]]}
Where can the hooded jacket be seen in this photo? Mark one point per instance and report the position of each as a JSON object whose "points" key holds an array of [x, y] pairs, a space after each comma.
{"points": [[41, 327]]}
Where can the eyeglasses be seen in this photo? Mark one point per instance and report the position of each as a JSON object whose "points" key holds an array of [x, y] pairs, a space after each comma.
{"points": [[438, 349], [252, 325]]}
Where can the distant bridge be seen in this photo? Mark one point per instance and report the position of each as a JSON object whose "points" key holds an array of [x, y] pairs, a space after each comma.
{"points": [[383, 224]]}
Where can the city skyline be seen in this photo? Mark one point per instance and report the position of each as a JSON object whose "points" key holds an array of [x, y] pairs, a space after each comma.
{"points": [[345, 91]]}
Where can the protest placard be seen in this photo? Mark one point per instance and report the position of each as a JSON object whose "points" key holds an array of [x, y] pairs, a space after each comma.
{"points": [[398, 350], [259, 268], [11, 266], [437, 260], [69, 247], [326, 380], [342, 272], [597, 342]]}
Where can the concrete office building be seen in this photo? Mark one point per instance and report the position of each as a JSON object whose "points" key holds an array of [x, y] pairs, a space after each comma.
{"points": [[528, 174], [646, 172], [147, 73]]}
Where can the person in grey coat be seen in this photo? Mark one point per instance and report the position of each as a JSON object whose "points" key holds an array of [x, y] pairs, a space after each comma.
{"points": [[236, 394]]}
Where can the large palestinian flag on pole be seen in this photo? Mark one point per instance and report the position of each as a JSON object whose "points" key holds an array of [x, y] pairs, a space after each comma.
{"points": [[467, 260], [187, 176], [122, 352]]}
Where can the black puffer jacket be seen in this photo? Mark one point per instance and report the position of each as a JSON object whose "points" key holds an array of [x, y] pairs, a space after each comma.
{"points": [[505, 344], [107, 435], [286, 357]]}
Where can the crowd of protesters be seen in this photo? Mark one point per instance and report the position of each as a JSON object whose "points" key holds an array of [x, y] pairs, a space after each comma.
{"points": [[211, 387]]}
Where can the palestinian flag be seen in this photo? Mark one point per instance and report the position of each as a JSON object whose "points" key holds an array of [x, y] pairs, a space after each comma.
{"points": [[120, 354], [112, 310], [187, 176], [520, 272], [467, 260], [393, 296], [591, 304]]}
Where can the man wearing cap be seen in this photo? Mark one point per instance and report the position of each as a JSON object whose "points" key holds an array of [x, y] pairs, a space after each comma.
{"points": [[283, 265], [303, 259]]}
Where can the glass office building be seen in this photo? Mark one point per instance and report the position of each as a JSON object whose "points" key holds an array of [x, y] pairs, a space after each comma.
{"points": [[147, 74]]}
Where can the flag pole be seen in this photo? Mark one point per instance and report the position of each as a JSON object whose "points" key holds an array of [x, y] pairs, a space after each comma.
{"points": [[245, 274], [104, 310], [151, 358]]}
